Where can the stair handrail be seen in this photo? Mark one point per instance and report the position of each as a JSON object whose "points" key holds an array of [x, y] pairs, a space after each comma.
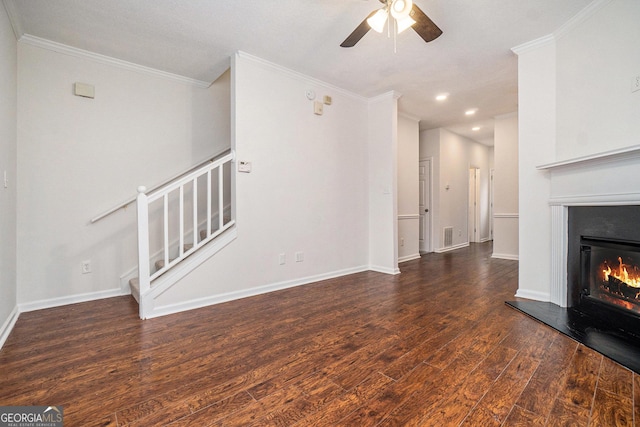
{"points": [[145, 197], [132, 199]]}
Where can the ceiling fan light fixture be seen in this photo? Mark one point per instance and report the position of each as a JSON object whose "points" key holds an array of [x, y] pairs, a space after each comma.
{"points": [[401, 9], [404, 23], [377, 21]]}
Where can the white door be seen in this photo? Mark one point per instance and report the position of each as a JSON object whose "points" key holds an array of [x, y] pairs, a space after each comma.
{"points": [[473, 221], [491, 204], [424, 204]]}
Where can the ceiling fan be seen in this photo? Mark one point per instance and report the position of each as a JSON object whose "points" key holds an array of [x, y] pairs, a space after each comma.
{"points": [[405, 14]]}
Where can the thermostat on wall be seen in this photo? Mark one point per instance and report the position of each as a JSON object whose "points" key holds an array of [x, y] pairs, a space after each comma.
{"points": [[244, 167]]}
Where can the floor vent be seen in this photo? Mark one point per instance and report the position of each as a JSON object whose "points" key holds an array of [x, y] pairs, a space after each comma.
{"points": [[448, 237]]}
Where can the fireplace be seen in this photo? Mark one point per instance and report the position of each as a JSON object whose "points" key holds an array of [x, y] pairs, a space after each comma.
{"points": [[602, 282], [611, 274], [603, 266], [593, 202]]}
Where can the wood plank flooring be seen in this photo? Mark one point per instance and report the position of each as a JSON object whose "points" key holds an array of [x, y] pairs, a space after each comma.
{"points": [[435, 345]]}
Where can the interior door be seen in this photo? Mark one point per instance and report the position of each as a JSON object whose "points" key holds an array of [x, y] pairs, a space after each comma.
{"points": [[474, 205], [424, 204]]}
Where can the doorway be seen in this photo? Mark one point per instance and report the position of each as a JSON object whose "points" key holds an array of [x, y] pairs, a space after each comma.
{"points": [[424, 205]]}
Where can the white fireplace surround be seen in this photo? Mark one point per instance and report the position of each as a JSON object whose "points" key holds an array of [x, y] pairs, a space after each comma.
{"points": [[604, 179]]}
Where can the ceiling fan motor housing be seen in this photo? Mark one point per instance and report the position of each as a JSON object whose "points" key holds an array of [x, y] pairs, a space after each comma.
{"points": [[401, 8]]}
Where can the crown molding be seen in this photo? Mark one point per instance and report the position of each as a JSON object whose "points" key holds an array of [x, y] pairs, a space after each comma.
{"points": [[107, 60], [580, 17], [533, 44], [566, 28], [14, 18], [296, 75], [392, 94], [408, 116]]}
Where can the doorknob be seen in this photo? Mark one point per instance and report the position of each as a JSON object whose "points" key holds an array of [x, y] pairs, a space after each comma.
{"points": [[426, 210]]}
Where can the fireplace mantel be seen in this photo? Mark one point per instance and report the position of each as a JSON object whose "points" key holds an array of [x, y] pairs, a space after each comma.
{"points": [[594, 159], [602, 179]]}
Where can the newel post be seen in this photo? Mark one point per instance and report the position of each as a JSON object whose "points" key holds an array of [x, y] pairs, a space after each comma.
{"points": [[143, 242]]}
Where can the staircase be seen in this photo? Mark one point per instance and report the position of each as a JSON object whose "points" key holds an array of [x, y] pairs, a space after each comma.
{"points": [[180, 226]]}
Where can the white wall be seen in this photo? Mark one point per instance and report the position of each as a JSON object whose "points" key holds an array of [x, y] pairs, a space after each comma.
{"points": [[455, 155], [408, 212], [505, 187], [596, 63], [574, 99], [8, 162], [383, 184], [536, 144], [77, 157], [307, 192]]}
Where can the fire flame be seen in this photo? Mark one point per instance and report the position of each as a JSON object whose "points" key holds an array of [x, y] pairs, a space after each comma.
{"points": [[622, 274]]}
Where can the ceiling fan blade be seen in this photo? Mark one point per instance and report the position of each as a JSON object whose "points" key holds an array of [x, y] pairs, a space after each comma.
{"points": [[424, 26], [358, 33]]}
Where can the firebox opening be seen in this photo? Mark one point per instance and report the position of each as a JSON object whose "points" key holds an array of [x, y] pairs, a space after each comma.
{"points": [[610, 273]]}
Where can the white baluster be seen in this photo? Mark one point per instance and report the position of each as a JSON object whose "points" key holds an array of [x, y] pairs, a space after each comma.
{"points": [[165, 230], [220, 198], [195, 212], [208, 203], [143, 240], [181, 215]]}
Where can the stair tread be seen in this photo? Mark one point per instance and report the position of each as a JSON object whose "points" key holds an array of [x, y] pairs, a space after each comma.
{"points": [[135, 288]]}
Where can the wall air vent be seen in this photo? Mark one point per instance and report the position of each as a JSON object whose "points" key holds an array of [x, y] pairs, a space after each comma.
{"points": [[448, 237]]}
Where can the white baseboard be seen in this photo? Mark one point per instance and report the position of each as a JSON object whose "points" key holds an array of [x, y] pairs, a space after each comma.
{"points": [[385, 270], [452, 248], [533, 295], [8, 325], [72, 299], [409, 257], [505, 256], [231, 296]]}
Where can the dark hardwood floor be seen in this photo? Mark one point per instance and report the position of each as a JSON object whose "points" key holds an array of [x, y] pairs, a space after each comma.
{"points": [[435, 345]]}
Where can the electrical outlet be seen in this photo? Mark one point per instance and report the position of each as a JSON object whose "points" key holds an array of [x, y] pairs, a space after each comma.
{"points": [[299, 256], [86, 266], [282, 259], [401, 241]]}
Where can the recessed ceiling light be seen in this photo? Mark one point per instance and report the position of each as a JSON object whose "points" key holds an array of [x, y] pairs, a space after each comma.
{"points": [[471, 112], [442, 97], [475, 129]]}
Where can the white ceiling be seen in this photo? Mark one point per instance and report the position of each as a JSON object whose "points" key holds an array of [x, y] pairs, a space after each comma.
{"points": [[471, 61]]}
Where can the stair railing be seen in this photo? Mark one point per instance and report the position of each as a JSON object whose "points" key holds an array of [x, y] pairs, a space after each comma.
{"points": [[209, 171], [132, 199]]}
